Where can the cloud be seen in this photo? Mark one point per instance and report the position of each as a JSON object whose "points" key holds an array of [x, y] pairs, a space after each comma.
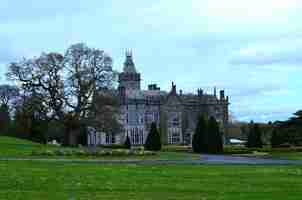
{"points": [[16, 10], [190, 42], [264, 116], [284, 51]]}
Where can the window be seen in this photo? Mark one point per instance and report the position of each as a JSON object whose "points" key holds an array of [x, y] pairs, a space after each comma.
{"points": [[108, 139], [174, 136], [175, 122]]}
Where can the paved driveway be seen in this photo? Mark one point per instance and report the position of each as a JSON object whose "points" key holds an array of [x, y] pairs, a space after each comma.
{"points": [[204, 159], [226, 159]]}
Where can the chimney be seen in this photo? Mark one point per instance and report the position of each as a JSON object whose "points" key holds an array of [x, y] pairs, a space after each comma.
{"points": [[215, 91], [180, 92], [221, 94], [173, 91], [199, 92]]}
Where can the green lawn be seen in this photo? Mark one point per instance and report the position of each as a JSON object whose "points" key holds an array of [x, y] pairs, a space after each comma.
{"points": [[14, 147], [44, 180], [290, 155]]}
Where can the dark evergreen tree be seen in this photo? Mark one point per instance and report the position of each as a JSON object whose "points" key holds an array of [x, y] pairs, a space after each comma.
{"points": [[4, 119], [276, 139], [215, 144], [251, 136], [258, 136], [153, 142], [127, 143], [200, 140], [254, 137]]}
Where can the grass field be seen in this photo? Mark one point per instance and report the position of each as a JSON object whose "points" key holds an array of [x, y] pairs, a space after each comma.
{"points": [[43, 180], [14, 147], [290, 155]]}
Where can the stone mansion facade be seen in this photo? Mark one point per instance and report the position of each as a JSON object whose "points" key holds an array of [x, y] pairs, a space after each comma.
{"points": [[174, 112]]}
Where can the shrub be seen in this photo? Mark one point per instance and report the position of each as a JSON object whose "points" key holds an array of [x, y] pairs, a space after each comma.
{"points": [[254, 136], [237, 150], [68, 152], [119, 152], [48, 153], [153, 142], [80, 152], [36, 152], [96, 153], [214, 137], [127, 143], [149, 153], [113, 146], [60, 152], [200, 140], [176, 148]]}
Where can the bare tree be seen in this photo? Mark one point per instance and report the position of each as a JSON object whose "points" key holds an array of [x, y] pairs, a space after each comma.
{"points": [[66, 84], [105, 115], [87, 70], [43, 77]]}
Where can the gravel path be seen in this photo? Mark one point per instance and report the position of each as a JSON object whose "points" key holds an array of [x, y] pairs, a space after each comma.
{"points": [[205, 159]]}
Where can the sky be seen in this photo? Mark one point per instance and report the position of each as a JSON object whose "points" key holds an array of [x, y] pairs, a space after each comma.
{"points": [[251, 49]]}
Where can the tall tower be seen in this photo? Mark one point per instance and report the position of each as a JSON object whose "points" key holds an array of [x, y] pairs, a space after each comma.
{"points": [[129, 78]]}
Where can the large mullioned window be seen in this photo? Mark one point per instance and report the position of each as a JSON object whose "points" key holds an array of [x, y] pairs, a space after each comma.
{"points": [[136, 136], [174, 136]]}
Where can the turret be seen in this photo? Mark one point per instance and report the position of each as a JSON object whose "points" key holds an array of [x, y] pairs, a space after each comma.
{"points": [[129, 78]]}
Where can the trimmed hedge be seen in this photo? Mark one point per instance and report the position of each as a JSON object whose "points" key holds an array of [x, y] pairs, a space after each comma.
{"points": [[176, 148], [94, 153], [113, 146]]}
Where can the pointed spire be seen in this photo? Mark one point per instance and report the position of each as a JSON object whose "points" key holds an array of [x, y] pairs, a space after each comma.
{"points": [[128, 53], [129, 66]]}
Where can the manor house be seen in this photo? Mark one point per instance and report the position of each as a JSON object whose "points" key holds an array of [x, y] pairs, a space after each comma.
{"points": [[175, 112]]}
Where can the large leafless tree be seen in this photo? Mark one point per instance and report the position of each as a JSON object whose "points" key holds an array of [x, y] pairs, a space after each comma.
{"points": [[42, 77], [87, 71], [67, 83]]}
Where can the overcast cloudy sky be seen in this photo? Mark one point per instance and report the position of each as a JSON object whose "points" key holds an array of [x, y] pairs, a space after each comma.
{"points": [[252, 49]]}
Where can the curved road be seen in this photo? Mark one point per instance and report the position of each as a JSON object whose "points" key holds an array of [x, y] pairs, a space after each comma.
{"points": [[226, 159], [204, 159]]}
